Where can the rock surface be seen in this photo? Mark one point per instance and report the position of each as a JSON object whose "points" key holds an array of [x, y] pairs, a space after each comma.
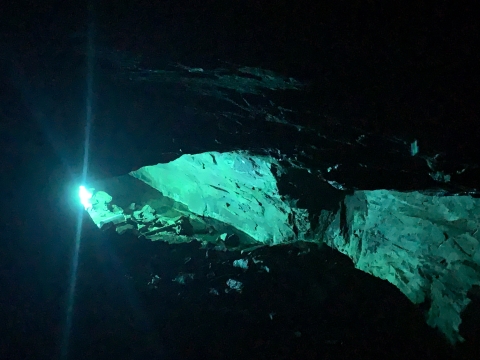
{"points": [[235, 188], [427, 246]]}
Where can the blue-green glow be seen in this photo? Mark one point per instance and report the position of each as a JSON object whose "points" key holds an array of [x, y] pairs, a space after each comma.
{"points": [[85, 197]]}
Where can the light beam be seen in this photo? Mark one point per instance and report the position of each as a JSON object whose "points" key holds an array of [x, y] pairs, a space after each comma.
{"points": [[84, 196]]}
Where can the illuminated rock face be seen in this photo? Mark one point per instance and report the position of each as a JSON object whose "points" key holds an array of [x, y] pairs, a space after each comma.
{"points": [[235, 188], [427, 246]]}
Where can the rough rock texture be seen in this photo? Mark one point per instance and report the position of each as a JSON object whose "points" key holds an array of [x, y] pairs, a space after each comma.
{"points": [[235, 188], [130, 205], [100, 211], [427, 246]]}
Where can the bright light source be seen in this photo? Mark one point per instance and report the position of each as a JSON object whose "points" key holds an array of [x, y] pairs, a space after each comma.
{"points": [[85, 197]]}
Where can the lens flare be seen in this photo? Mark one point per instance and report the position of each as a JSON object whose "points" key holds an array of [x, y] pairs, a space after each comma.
{"points": [[85, 197]]}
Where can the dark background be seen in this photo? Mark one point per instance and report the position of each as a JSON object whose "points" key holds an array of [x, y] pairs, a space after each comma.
{"points": [[393, 69]]}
